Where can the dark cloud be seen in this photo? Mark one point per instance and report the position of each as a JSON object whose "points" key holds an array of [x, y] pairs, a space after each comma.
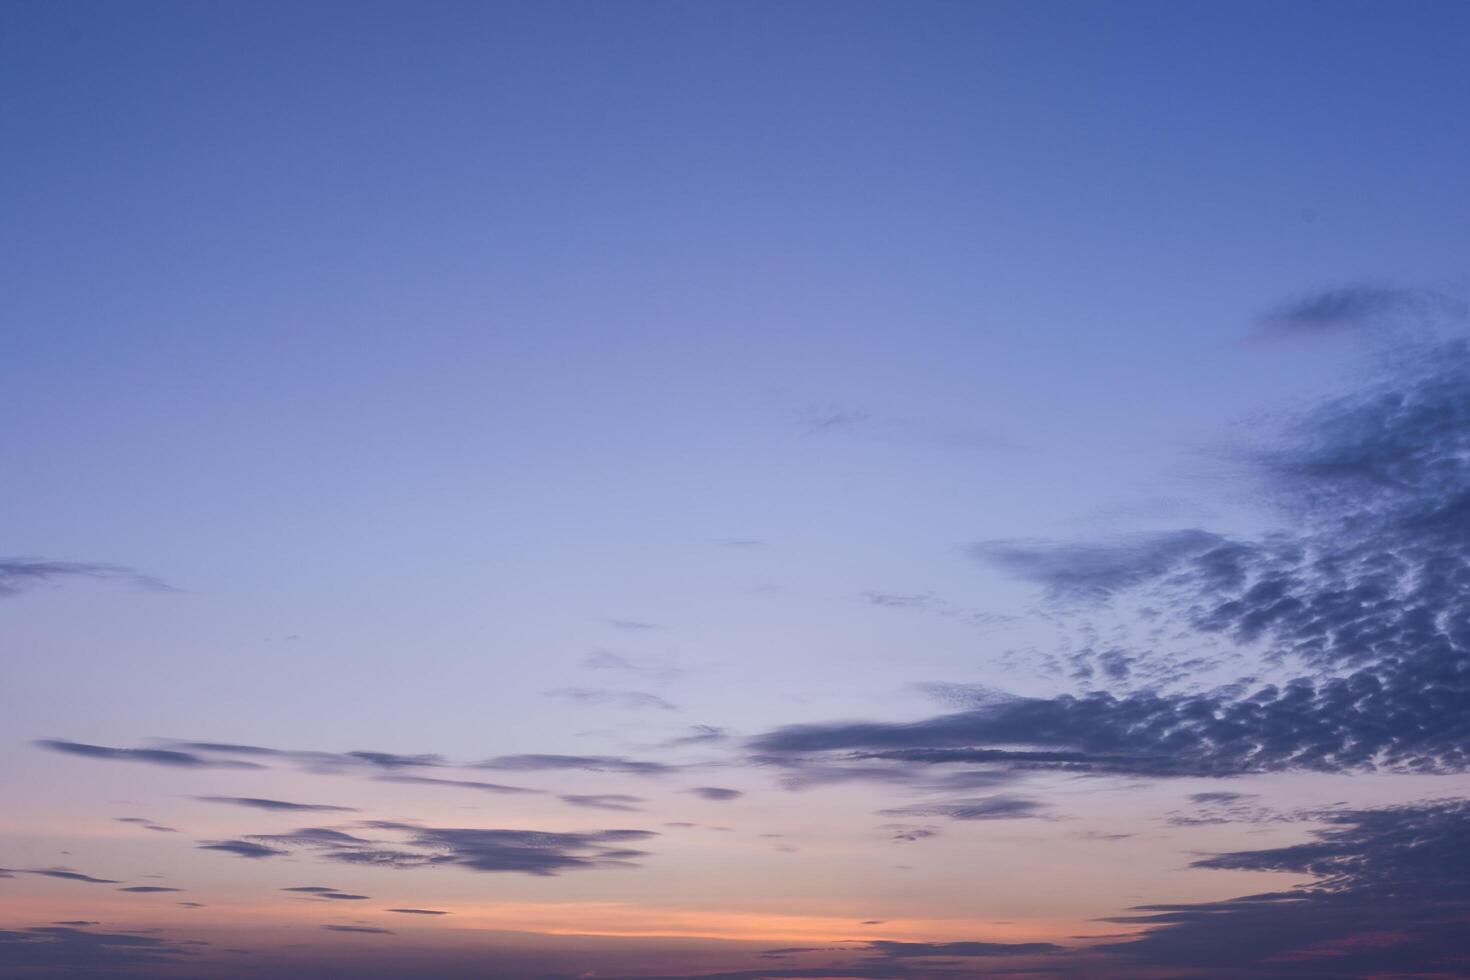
{"points": [[240, 848], [458, 783], [313, 761], [603, 801], [373, 930], [416, 846], [979, 808], [256, 803], [1369, 592], [1096, 571], [524, 851], [717, 793], [62, 950], [147, 824], [18, 575], [1221, 796], [324, 892], [157, 757], [65, 874], [898, 950], [617, 699], [417, 911], [311, 837], [1391, 896], [908, 833], [588, 763], [149, 889], [1358, 306]]}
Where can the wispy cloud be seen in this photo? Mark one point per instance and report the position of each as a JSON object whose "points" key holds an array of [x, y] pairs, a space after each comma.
{"points": [[19, 575], [256, 803], [157, 757]]}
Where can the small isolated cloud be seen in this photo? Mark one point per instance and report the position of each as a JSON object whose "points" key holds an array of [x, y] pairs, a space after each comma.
{"points": [[909, 833], [980, 808], [589, 763], [157, 757], [603, 801], [241, 848], [718, 794], [64, 874], [373, 930], [631, 625], [325, 892], [458, 783], [149, 889], [417, 911], [256, 803], [313, 761], [19, 575], [147, 824]]}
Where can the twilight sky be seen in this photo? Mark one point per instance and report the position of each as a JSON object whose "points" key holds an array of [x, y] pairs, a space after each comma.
{"points": [[747, 490]]}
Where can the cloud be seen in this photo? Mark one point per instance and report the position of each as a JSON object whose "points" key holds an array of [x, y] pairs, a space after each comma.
{"points": [[417, 911], [898, 950], [530, 852], [908, 833], [700, 735], [147, 824], [312, 837], [1095, 571], [458, 783], [603, 801], [374, 930], [240, 848], [255, 803], [1360, 306], [61, 950], [19, 575], [1363, 603], [631, 625], [1390, 896], [718, 794], [588, 763], [313, 761], [149, 889], [617, 699], [324, 892], [978, 808], [157, 757], [64, 874]]}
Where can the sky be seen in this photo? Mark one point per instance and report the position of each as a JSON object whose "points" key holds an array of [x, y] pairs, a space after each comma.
{"points": [[734, 490]]}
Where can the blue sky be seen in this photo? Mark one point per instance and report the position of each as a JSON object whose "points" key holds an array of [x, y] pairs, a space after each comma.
{"points": [[501, 378]]}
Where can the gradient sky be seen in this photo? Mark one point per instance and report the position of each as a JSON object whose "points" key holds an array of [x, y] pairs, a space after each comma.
{"points": [[748, 490]]}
